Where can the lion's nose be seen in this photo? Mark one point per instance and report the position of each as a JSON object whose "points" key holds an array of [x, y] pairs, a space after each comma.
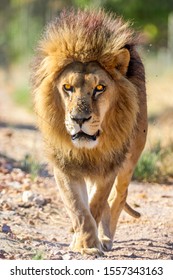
{"points": [[80, 120]]}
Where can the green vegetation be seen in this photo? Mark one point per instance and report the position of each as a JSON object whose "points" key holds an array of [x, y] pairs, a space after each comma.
{"points": [[23, 21], [38, 256], [30, 165], [155, 165], [23, 98], [149, 16]]}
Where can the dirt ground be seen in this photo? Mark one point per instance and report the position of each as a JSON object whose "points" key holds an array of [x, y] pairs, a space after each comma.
{"points": [[33, 221]]}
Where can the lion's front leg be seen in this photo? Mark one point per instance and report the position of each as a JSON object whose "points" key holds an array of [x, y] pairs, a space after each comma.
{"points": [[74, 195], [99, 191]]}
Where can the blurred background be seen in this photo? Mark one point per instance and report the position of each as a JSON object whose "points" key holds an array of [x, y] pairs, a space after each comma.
{"points": [[22, 22]]}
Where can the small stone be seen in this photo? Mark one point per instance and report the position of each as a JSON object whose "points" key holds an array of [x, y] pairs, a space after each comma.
{"points": [[9, 133], [6, 228], [15, 185], [2, 252], [56, 257], [31, 222], [67, 257], [26, 187], [39, 200], [27, 196], [2, 256], [133, 255], [26, 181]]}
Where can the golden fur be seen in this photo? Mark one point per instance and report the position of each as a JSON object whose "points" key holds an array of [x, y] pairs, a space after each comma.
{"points": [[83, 50]]}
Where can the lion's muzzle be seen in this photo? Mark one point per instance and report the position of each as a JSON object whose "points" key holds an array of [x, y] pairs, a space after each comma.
{"points": [[80, 119], [83, 135]]}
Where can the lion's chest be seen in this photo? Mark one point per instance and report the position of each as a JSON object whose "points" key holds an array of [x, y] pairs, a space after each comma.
{"points": [[85, 166]]}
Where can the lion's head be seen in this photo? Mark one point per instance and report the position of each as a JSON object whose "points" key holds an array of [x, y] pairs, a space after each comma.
{"points": [[87, 93], [85, 89]]}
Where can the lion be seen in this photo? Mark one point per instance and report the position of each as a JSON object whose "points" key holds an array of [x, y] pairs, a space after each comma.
{"points": [[90, 98]]}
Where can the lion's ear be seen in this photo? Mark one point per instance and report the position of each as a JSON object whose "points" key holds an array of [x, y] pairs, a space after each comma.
{"points": [[122, 60]]}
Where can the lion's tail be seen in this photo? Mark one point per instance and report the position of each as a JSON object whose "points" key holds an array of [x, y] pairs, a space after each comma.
{"points": [[131, 211]]}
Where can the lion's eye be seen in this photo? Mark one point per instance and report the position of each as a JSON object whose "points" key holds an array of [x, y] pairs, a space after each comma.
{"points": [[99, 88], [68, 88]]}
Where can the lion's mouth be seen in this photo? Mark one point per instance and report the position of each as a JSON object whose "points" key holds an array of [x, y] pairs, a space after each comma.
{"points": [[83, 135]]}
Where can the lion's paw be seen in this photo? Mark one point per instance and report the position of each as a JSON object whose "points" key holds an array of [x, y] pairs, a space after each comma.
{"points": [[88, 251], [92, 251], [106, 243], [82, 246]]}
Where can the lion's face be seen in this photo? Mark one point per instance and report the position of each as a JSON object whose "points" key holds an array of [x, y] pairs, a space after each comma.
{"points": [[87, 93]]}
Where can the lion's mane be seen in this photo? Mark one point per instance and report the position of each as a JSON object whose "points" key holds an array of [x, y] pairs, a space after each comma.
{"points": [[87, 36]]}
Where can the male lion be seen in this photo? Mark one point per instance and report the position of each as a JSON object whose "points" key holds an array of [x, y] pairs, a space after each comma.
{"points": [[90, 99]]}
